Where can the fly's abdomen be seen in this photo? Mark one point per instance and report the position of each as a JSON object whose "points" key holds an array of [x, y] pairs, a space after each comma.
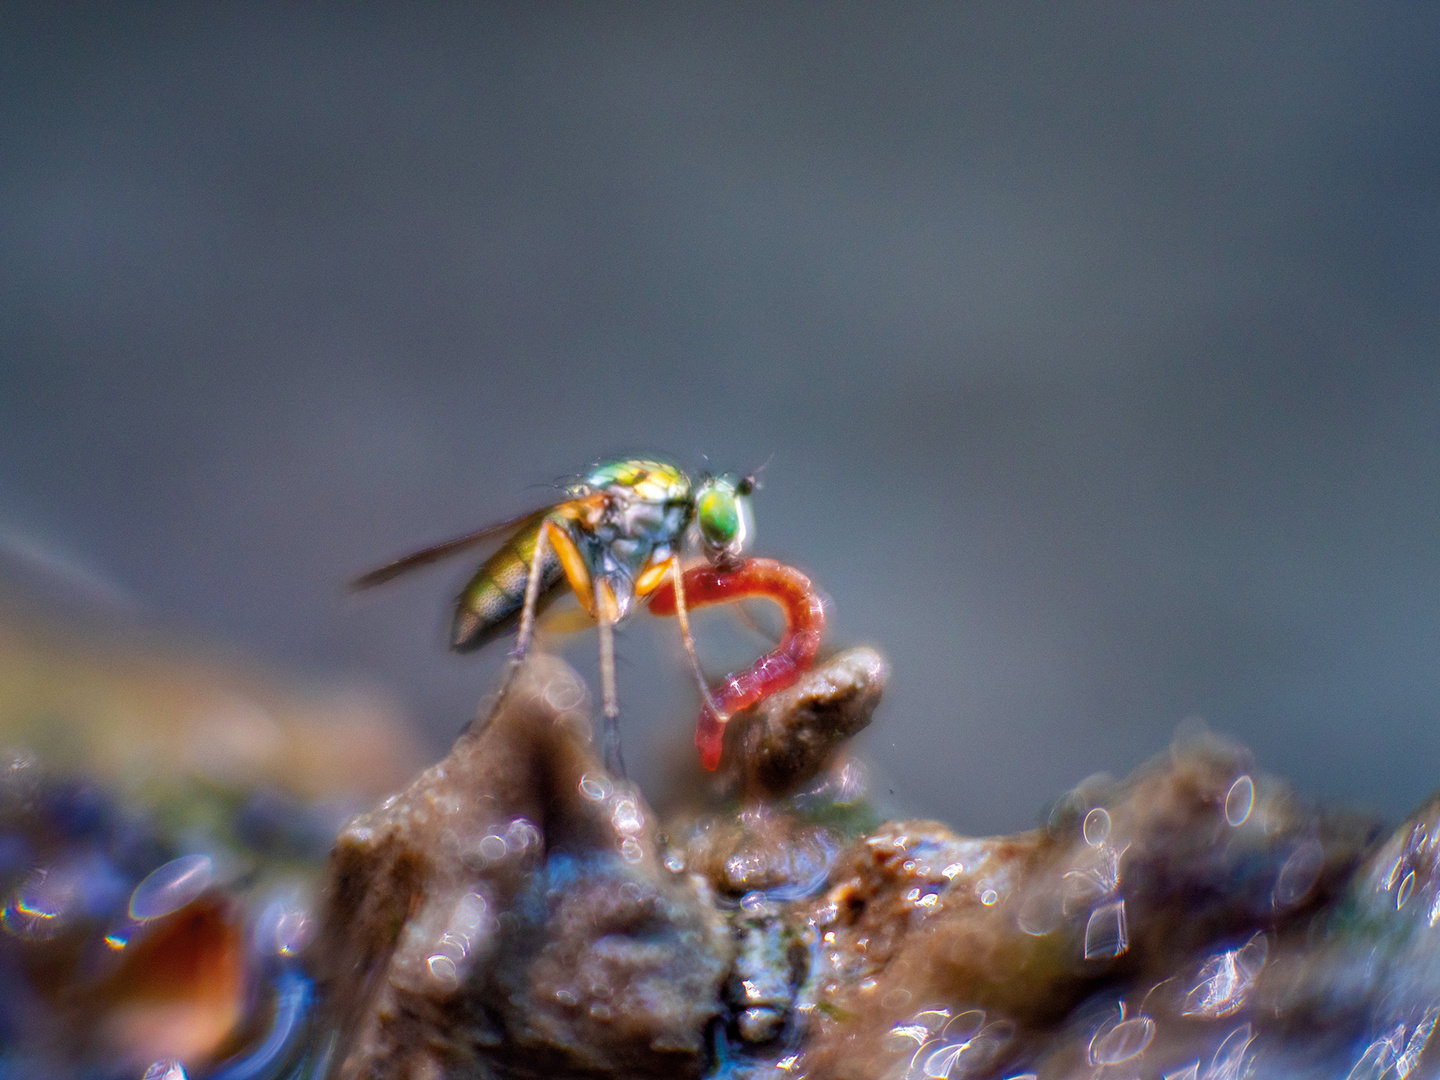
{"points": [[490, 603]]}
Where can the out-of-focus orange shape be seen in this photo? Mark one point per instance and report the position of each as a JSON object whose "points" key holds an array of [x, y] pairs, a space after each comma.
{"points": [[181, 992]]}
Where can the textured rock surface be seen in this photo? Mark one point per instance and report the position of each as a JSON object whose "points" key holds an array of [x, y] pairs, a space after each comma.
{"points": [[509, 914], [1125, 886], [786, 740], [517, 913]]}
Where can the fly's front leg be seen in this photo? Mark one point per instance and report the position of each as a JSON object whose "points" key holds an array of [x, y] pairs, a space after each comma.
{"points": [[607, 613], [682, 615]]}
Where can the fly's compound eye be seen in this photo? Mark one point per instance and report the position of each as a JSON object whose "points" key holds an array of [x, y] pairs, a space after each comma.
{"points": [[719, 515], [722, 511]]}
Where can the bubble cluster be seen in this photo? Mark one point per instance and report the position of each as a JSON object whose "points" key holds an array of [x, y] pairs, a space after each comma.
{"points": [[943, 1044], [468, 926]]}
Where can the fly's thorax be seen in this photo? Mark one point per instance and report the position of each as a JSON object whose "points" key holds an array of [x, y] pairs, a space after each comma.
{"points": [[647, 481]]}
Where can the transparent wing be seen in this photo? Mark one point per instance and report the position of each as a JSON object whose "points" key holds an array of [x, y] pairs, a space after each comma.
{"points": [[445, 549]]}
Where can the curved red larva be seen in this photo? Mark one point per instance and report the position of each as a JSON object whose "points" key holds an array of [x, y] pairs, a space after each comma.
{"points": [[777, 669]]}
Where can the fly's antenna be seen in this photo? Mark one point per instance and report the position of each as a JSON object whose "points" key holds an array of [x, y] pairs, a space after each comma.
{"points": [[750, 482]]}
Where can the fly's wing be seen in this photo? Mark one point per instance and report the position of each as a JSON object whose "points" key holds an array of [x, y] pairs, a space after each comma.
{"points": [[425, 557]]}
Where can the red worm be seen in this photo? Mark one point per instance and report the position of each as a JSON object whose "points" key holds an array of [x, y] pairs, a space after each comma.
{"points": [[804, 623]]}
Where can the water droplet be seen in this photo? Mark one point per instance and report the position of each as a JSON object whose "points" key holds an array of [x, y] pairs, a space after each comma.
{"points": [[989, 898], [37, 909], [631, 851], [1419, 1039], [953, 869], [171, 887], [595, 786], [493, 847], [674, 862], [522, 835], [600, 1011], [1226, 979], [565, 997], [939, 1062], [1240, 800], [1405, 886], [627, 817], [443, 969], [1190, 1072], [563, 693], [169, 1069], [1119, 1042], [1040, 912], [1378, 1059], [293, 931], [896, 999], [469, 914], [1106, 936], [964, 1026], [1229, 1062], [1097, 827], [1299, 874]]}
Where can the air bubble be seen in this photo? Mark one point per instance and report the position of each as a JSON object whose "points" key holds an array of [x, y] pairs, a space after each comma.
{"points": [[631, 851], [1239, 801], [896, 999], [1230, 1060], [1226, 980], [1299, 874], [171, 887], [563, 693], [1097, 827], [38, 908], [443, 969], [1404, 893], [595, 787], [521, 835], [627, 817], [165, 1070], [493, 847], [1106, 936], [1125, 1040]]}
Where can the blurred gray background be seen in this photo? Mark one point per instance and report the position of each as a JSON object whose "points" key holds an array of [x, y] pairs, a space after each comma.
{"points": [[1092, 349]]}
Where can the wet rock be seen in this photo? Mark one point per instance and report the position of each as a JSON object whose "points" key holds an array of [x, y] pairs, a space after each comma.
{"points": [[769, 963], [509, 914], [785, 741], [763, 849], [801, 799], [1126, 886]]}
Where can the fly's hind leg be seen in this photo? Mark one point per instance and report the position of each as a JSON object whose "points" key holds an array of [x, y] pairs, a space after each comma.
{"points": [[607, 614], [527, 612], [550, 535]]}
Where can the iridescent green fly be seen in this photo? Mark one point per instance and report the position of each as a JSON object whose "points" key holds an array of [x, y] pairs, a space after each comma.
{"points": [[619, 533]]}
